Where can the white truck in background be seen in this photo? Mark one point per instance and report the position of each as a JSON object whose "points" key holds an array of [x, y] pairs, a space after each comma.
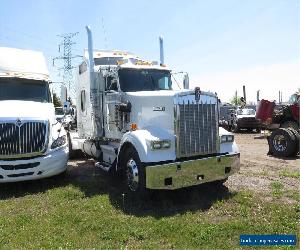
{"points": [[33, 144], [131, 120]]}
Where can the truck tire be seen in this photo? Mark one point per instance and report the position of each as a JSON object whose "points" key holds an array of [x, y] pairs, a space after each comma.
{"points": [[235, 128], [282, 143], [72, 153], [135, 175], [290, 124], [297, 136]]}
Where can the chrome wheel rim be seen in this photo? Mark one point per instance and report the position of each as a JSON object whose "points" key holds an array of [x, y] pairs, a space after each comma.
{"points": [[279, 142], [132, 175]]}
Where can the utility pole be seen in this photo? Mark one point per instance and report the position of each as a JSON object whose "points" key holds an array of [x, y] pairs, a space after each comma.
{"points": [[244, 93], [257, 96], [67, 56], [235, 98], [280, 97]]}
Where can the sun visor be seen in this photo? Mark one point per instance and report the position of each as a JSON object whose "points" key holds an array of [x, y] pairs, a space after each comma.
{"points": [[23, 63]]}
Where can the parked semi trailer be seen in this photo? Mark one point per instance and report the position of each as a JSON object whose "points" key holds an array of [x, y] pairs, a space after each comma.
{"points": [[284, 121], [131, 121], [33, 144]]}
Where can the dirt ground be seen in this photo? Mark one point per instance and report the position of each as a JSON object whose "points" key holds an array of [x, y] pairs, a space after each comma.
{"points": [[260, 171]]}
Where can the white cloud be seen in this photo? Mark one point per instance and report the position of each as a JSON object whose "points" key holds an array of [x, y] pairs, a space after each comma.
{"points": [[268, 79]]}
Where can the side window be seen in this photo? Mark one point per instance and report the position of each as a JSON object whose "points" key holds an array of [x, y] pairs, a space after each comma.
{"points": [[82, 68], [82, 100], [111, 83], [163, 83]]}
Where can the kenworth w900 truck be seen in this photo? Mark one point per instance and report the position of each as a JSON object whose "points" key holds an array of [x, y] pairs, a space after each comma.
{"points": [[130, 119], [33, 144]]}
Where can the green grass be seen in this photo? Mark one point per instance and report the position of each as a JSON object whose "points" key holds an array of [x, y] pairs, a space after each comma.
{"points": [[293, 194], [277, 189], [90, 212], [288, 173]]}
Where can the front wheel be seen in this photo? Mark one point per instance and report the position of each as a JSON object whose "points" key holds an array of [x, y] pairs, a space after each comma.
{"points": [[235, 128], [134, 173], [72, 153]]}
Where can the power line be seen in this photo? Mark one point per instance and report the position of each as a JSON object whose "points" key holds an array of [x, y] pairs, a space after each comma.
{"points": [[67, 56], [38, 40]]}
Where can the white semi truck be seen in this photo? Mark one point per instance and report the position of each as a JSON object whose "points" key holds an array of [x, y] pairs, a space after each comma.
{"points": [[33, 144], [131, 120]]}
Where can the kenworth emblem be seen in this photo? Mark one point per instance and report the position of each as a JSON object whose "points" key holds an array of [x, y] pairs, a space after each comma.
{"points": [[19, 123], [197, 94], [159, 108]]}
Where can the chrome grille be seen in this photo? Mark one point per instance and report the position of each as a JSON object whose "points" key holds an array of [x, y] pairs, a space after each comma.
{"points": [[196, 128], [22, 140]]}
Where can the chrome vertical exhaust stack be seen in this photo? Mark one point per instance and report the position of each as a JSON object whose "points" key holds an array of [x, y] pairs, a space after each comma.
{"points": [[161, 50], [90, 48], [94, 91]]}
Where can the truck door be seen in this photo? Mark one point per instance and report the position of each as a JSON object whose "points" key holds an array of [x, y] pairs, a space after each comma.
{"points": [[112, 98], [84, 114]]}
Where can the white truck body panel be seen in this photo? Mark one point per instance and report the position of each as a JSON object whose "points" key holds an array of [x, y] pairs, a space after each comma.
{"points": [[25, 124], [153, 116], [27, 109], [84, 118], [23, 63]]}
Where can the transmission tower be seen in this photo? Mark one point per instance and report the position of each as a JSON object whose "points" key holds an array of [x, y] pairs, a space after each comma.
{"points": [[65, 48]]}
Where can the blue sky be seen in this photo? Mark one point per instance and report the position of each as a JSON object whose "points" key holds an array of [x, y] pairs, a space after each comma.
{"points": [[222, 44]]}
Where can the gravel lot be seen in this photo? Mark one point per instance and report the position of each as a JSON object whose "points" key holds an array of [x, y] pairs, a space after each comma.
{"points": [[258, 170]]}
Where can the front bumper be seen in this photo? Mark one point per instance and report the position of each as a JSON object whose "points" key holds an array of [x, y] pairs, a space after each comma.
{"points": [[51, 164], [193, 172], [248, 123]]}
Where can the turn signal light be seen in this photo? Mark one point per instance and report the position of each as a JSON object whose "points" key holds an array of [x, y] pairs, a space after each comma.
{"points": [[133, 126]]}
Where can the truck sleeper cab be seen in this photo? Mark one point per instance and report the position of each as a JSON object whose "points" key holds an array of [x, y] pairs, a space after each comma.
{"points": [[132, 120], [32, 143]]}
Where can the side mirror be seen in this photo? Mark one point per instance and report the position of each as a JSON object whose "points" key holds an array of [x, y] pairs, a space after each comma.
{"points": [[66, 107], [186, 81]]}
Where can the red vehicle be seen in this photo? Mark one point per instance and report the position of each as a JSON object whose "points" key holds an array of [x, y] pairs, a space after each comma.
{"points": [[284, 120]]}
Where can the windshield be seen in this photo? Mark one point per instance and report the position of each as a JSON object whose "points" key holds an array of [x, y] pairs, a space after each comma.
{"points": [[246, 112], [24, 89], [294, 99], [132, 80], [59, 111]]}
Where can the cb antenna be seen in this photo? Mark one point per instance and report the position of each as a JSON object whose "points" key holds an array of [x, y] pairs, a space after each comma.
{"points": [[104, 33]]}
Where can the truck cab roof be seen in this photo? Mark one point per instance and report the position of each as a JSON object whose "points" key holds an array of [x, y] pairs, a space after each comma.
{"points": [[19, 63], [122, 59]]}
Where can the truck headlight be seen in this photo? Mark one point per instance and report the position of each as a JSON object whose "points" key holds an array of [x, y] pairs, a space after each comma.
{"points": [[227, 138], [164, 144], [60, 141]]}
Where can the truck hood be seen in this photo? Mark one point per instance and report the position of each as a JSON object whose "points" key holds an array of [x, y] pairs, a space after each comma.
{"points": [[26, 109], [156, 108], [183, 92]]}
